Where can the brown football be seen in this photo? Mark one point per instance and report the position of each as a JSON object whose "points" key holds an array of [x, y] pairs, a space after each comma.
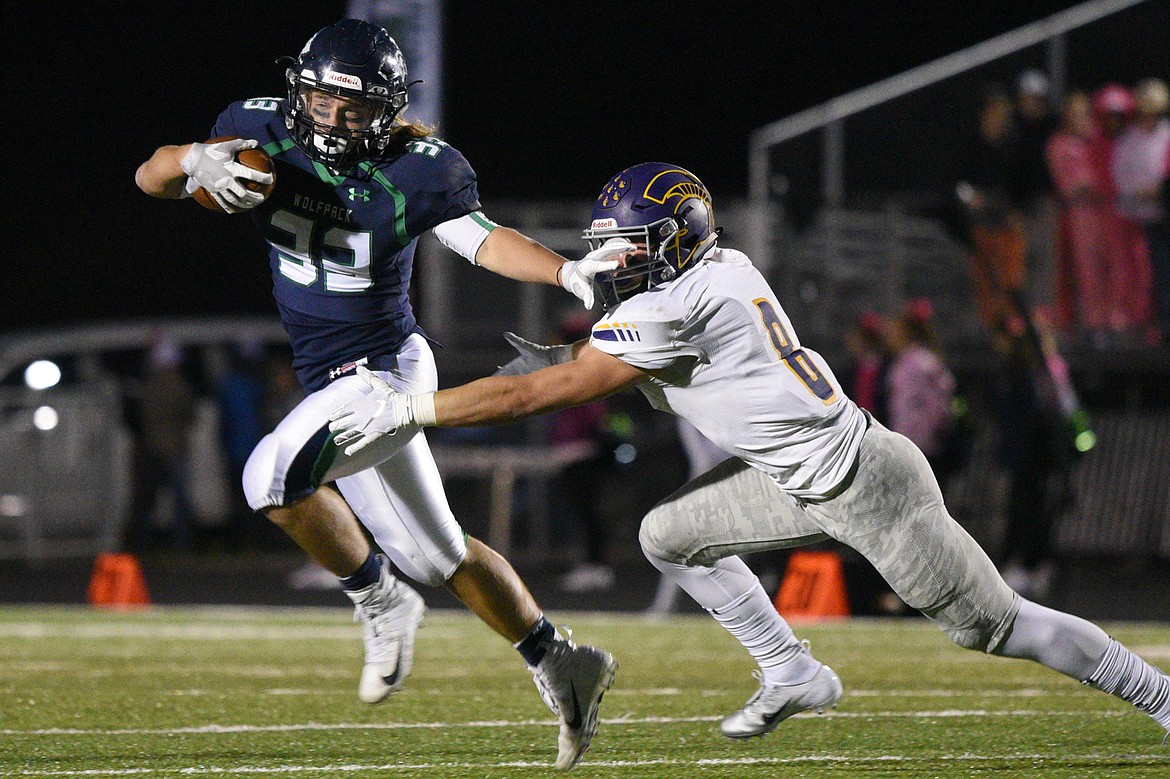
{"points": [[257, 159]]}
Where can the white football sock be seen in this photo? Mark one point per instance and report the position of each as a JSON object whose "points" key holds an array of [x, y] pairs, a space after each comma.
{"points": [[1124, 674], [1068, 644], [1080, 649], [733, 595]]}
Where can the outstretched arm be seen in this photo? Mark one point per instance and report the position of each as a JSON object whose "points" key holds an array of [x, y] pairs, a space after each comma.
{"points": [[512, 254], [516, 256], [503, 399], [212, 166], [493, 400], [162, 175]]}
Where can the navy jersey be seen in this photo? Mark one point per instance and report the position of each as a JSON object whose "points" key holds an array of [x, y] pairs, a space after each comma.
{"points": [[341, 246]]}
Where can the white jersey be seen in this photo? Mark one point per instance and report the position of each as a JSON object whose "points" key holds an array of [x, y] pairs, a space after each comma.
{"points": [[726, 359]]}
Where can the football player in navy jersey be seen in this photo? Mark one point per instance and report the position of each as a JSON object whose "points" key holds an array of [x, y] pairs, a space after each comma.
{"points": [[698, 330], [357, 186]]}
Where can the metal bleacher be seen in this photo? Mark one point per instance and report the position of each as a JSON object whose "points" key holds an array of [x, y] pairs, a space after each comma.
{"points": [[64, 491], [850, 261]]}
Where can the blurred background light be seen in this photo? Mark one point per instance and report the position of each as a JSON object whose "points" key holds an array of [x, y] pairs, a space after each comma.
{"points": [[45, 418], [42, 374]]}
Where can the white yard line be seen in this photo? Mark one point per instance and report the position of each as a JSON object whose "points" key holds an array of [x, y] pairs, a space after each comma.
{"points": [[615, 721], [36, 630], [1060, 758], [1031, 692]]}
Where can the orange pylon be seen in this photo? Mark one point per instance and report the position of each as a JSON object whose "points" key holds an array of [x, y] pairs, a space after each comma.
{"points": [[117, 582], [813, 587]]}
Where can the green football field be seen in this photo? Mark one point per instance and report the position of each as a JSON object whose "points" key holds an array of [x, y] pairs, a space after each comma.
{"points": [[259, 692]]}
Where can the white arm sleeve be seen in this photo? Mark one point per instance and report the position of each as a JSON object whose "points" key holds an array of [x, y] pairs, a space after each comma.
{"points": [[465, 234]]}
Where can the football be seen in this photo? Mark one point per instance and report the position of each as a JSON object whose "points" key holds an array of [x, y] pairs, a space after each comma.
{"points": [[257, 159]]}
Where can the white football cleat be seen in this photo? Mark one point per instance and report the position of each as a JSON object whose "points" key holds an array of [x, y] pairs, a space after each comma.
{"points": [[571, 680], [772, 704], [390, 613]]}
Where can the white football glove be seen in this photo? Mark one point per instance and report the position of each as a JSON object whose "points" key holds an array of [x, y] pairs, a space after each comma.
{"points": [[577, 275], [213, 166], [383, 411], [532, 356]]}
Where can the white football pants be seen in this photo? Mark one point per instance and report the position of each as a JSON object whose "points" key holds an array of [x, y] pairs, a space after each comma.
{"points": [[392, 485]]}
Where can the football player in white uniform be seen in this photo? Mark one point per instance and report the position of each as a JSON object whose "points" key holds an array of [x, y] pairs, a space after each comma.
{"points": [[698, 330]]}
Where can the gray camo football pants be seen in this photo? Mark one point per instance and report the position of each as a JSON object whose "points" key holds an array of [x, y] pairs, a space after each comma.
{"points": [[892, 513]]}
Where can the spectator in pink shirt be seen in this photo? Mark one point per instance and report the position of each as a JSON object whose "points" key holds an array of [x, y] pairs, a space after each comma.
{"points": [[870, 358], [1139, 172], [1091, 262], [920, 388], [1114, 106]]}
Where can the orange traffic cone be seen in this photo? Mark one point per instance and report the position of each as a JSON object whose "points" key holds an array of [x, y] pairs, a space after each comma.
{"points": [[813, 587], [117, 582]]}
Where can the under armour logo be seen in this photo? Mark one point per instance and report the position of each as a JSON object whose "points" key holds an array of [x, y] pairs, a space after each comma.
{"points": [[349, 367], [356, 194]]}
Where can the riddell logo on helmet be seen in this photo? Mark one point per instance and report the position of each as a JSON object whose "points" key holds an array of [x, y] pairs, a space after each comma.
{"points": [[600, 224], [336, 79]]}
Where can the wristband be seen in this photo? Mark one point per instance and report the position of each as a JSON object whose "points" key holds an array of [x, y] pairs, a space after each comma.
{"points": [[422, 409]]}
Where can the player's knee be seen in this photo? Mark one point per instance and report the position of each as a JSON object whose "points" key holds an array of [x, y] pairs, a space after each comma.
{"points": [[981, 614], [260, 475], [969, 638], [662, 539], [985, 634], [433, 565]]}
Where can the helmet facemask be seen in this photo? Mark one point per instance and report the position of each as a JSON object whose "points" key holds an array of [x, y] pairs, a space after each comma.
{"points": [[341, 147], [662, 209], [646, 268]]}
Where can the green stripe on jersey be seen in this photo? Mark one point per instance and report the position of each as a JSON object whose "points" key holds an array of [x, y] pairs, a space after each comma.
{"points": [[276, 147], [399, 201], [483, 221], [325, 175]]}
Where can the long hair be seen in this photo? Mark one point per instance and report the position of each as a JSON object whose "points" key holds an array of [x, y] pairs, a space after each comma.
{"points": [[406, 131]]}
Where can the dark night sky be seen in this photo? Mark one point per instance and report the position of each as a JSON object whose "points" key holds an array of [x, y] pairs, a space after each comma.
{"points": [[545, 101]]}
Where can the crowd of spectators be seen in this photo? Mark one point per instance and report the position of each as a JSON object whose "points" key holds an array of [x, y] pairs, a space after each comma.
{"points": [[1065, 199], [1064, 209]]}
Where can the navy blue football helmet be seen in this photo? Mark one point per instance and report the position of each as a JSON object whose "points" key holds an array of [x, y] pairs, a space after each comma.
{"points": [[661, 207], [356, 61]]}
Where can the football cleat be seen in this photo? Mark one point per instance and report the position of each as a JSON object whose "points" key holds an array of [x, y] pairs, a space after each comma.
{"points": [[772, 704], [390, 613], [571, 680]]}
